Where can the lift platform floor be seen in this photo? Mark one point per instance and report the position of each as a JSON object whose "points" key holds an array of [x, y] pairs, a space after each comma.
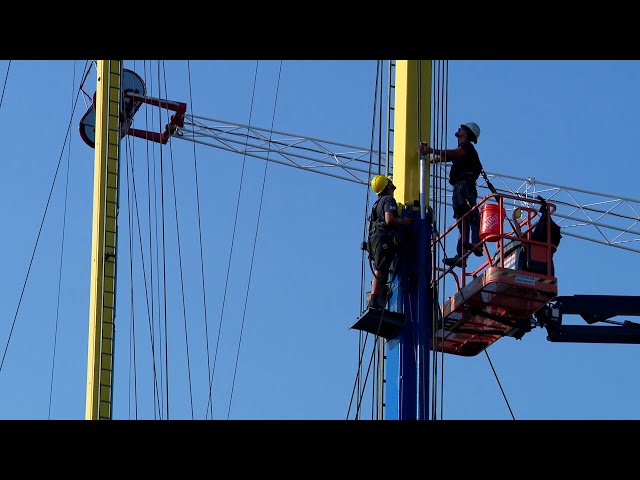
{"points": [[498, 303]]}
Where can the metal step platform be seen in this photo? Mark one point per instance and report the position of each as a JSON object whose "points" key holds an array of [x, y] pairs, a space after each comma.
{"points": [[383, 323]]}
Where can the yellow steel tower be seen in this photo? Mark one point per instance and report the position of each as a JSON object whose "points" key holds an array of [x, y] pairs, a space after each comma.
{"points": [[103, 250]]}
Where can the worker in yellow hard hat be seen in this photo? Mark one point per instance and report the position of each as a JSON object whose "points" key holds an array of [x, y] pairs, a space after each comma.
{"points": [[383, 240]]}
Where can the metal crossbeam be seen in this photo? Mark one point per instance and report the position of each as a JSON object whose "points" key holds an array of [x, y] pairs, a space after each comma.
{"points": [[592, 216]]}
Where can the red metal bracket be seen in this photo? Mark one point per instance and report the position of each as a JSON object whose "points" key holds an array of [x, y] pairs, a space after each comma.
{"points": [[175, 122]]}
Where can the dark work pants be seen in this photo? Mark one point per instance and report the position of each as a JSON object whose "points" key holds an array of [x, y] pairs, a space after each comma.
{"points": [[468, 224], [464, 198]]}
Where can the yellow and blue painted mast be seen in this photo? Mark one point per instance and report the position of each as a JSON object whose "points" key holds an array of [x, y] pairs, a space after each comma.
{"points": [[407, 364], [104, 233], [407, 368]]}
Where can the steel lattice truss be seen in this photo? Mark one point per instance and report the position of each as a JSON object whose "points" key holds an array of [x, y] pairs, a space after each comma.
{"points": [[596, 217], [328, 158]]}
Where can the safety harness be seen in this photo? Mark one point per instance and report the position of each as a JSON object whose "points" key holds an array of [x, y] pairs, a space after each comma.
{"points": [[378, 227], [377, 224]]}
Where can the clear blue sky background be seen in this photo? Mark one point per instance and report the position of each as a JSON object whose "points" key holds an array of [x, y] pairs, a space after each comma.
{"points": [[285, 350]]}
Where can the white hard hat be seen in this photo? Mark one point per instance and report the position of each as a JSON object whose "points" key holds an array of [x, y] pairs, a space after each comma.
{"points": [[474, 128]]}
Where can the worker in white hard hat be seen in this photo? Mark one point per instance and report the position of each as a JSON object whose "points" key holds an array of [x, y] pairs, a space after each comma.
{"points": [[465, 170]]}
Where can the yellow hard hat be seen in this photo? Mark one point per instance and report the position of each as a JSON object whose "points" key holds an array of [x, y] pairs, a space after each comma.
{"points": [[379, 183]]}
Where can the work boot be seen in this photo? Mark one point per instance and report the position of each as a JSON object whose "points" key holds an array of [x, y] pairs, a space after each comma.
{"points": [[475, 248], [373, 301], [454, 261], [378, 302]]}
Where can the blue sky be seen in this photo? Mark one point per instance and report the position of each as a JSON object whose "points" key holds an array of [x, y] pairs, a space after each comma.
{"points": [[285, 350]]}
